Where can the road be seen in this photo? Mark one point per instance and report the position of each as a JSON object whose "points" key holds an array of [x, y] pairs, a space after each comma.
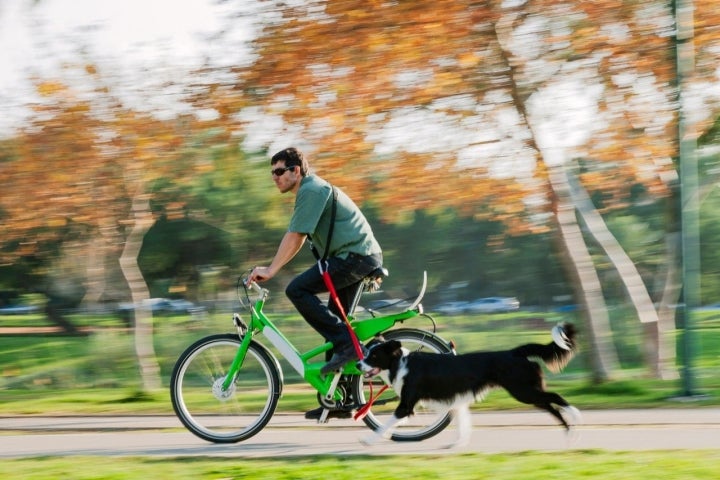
{"points": [[292, 435]]}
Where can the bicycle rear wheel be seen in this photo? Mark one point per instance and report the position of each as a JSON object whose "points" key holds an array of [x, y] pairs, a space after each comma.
{"points": [[234, 414], [426, 422]]}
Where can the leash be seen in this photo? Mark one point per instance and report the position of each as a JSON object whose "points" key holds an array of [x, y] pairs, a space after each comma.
{"points": [[362, 411], [334, 296], [323, 267]]}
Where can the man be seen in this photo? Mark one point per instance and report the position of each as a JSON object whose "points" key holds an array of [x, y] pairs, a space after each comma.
{"points": [[353, 252]]}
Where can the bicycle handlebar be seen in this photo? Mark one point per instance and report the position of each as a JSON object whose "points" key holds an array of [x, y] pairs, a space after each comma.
{"points": [[254, 286]]}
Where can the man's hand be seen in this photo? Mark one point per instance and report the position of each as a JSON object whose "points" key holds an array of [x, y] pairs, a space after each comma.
{"points": [[260, 274], [289, 246]]}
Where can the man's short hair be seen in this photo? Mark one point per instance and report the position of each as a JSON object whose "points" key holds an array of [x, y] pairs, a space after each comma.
{"points": [[293, 158]]}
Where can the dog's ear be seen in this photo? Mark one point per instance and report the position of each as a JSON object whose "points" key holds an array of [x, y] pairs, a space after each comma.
{"points": [[395, 347], [376, 340]]}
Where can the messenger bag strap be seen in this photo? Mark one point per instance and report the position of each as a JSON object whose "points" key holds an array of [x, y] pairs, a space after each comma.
{"points": [[323, 267], [333, 212]]}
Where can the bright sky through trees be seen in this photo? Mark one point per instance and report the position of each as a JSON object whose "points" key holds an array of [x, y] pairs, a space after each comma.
{"points": [[146, 42]]}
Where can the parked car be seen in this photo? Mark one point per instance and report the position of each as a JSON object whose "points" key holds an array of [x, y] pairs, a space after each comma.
{"points": [[165, 305], [451, 308], [18, 309], [493, 305]]}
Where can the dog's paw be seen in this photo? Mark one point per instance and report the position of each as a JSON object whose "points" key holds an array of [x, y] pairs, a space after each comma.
{"points": [[574, 414]]}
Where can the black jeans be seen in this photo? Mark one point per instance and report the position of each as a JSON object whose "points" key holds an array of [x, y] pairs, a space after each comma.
{"points": [[346, 275]]}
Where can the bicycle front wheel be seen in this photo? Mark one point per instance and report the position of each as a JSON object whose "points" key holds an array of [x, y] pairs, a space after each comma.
{"points": [[225, 415], [426, 422]]}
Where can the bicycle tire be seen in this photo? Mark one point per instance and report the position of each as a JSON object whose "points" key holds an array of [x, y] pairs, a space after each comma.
{"points": [[236, 414], [425, 423]]}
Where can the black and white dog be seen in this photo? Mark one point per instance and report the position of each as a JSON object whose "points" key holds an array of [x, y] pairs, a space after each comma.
{"points": [[453, 382]]}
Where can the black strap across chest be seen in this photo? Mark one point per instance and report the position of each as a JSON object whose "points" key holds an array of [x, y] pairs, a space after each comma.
{"points": [[333, 212]]}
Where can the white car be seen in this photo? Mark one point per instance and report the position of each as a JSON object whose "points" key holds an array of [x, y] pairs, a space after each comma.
{"points": [[165, 305], [493, 305], [451, 308]]}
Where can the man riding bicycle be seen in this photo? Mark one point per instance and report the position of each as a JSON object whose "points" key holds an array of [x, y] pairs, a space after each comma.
{"points": [[352, 254]]}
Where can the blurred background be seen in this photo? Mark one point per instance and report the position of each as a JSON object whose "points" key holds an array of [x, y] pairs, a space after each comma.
{"points": [[561, 155]]}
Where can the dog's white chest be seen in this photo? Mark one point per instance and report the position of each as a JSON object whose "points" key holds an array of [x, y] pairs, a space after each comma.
{"points": [[399, 380]]}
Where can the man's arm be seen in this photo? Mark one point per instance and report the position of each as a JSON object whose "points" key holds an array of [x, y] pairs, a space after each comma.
{"points": [[289, 247]]}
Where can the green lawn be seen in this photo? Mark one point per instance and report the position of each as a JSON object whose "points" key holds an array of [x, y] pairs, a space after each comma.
{"points": [[672, 465], [97, 373]]}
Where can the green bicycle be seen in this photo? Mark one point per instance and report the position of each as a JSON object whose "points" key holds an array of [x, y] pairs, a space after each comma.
{"points": [[225, 387]]}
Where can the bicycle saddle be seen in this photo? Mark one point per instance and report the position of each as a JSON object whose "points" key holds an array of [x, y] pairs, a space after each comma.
{"points": [[378, 273]]}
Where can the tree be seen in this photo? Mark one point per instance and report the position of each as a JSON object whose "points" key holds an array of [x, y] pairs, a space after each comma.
{"points": [[478, 107], [89, 171], [348, 77]]}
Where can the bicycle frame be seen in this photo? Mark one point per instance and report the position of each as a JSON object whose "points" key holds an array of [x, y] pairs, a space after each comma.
{"points": [[302, 361], [225, 387]]}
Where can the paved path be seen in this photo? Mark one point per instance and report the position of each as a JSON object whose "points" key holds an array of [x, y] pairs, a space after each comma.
{"points": [[292, 435]]}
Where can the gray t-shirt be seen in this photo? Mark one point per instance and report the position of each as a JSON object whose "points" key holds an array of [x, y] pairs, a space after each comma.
{"points": [[313, 209]]}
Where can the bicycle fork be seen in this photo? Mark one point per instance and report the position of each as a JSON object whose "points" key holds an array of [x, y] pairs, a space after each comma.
{"points": [[245, 340]]}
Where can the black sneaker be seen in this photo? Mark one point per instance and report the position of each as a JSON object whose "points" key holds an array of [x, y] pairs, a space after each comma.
{"points": [[317, 413], [342, 356]]}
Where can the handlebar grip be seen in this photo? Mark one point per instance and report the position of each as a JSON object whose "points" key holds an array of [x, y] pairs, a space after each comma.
{"points": [[254, 286]]}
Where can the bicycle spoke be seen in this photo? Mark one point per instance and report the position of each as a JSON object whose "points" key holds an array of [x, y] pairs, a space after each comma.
{"points": [[224, 415]]}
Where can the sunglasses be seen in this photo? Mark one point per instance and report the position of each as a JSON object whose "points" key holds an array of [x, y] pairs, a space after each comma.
{"points": [[280, 171]]}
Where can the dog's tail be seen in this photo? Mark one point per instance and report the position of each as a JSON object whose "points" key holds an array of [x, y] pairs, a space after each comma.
{"points": [[557, 354]]}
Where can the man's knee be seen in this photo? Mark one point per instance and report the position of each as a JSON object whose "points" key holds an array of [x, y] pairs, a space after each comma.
{"points": [[293, 291], [299, 291]]}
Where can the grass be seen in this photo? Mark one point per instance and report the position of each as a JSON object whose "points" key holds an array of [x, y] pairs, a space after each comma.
{"points": [[298, 398], [674, 465], [97, 373]]}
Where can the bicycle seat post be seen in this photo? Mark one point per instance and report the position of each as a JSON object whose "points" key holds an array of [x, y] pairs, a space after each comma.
{"points": [[358, 295], [370, 283]]}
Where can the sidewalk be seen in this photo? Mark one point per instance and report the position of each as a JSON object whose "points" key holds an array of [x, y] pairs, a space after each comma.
{"points": [[709, 417], [290, 435]]}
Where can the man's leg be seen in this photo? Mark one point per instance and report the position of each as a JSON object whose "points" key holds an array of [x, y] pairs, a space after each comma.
{"points": [[346, 275], [303, 292]]}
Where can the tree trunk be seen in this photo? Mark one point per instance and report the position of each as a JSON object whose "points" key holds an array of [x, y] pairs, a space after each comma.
{"points": [[659, 345], [142, 221], [634, 285], [603, 356], [666, 342], [55, 315], [659, 325], [573, 250]]}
